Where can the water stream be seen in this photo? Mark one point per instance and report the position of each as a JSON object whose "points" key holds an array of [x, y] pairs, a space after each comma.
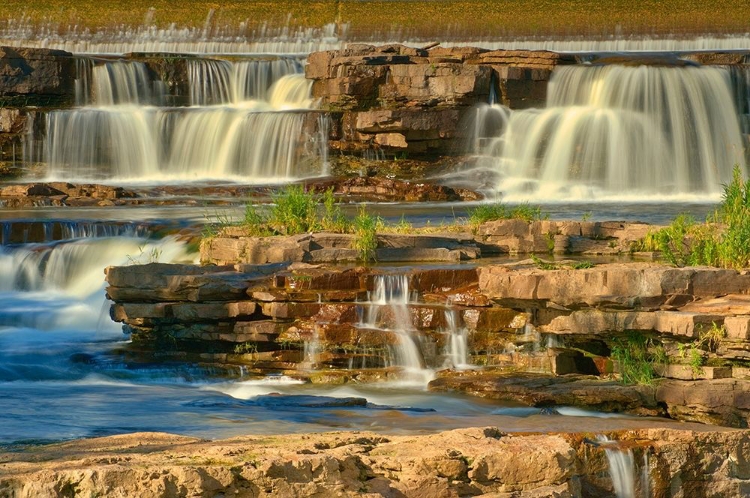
{"points": [[249, 121], [611, 131], [63, 373], [627, 481]]}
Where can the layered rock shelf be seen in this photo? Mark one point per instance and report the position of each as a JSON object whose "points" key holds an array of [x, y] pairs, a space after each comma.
{"points": [[465, 462], [264, 302], [502, 237]]}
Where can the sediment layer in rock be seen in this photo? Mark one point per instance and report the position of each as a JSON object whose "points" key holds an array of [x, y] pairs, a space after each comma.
{"points": [[464, 462]]}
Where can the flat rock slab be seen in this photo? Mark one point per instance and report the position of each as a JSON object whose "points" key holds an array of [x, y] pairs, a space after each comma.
{"points": [[544, 390], [461, 462], [619, 285]]}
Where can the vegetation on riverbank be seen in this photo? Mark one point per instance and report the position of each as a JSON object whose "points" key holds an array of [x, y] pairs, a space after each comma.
{"points": [[423, 19], [295, 210], [721, 241]]}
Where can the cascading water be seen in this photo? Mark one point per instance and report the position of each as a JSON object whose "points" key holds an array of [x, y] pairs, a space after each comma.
{"points": [[214, 81], [621, 130], [234, 130], [25, 232], [626, 481], [387, 311], [458, 341]]}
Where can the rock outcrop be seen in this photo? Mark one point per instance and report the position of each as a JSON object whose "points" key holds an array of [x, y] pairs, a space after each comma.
{"points": [[514, 237], [463, 462], [264, 312], [36, 77], [409, 101]]}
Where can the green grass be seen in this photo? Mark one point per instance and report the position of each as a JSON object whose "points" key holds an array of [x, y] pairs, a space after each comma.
{"points": [[635, 359], [427, 19], [721, 241], [295, 211], [366, 229], [498, 211]]}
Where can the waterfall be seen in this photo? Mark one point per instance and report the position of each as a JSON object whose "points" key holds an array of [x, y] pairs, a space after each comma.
{"points": [[614, 130], [117, 83], [246, 123], [627, 483], [24, 232], [311, 348], [488, 128], [458, 341], [387, 311], [214, 81], [76, 267], [61, 286]]}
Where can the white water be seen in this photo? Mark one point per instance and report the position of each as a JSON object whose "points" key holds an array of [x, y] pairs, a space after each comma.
{"points": [[616, 130], [214, 81], [458, 341], [124, 135], [53, 299], [387, 311], [23, 232], [242, 38], [626, 480]]}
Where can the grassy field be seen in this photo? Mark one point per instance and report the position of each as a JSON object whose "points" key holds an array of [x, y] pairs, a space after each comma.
{"points": [[415, 18]]}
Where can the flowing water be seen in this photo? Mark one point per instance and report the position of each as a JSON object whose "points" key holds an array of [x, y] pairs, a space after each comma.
{"points": [[248, 120], [241, 38], [251, 120], [626, 480], [612, 131]]}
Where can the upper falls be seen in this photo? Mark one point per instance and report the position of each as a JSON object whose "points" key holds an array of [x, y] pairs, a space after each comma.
{"points": [[615, 130], [246, 120]]}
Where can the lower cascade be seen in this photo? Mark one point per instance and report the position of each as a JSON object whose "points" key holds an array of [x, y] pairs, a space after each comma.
{"points": [[611, 129], [388, 311], [625, 479]]}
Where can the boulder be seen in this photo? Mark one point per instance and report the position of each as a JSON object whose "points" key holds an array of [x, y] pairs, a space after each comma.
{"points": [[36, 76]]}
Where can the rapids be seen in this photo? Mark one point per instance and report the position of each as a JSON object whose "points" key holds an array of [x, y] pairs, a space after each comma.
{"points": [[64, 369]]}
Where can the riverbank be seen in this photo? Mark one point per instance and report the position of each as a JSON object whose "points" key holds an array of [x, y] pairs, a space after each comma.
{"points": [[464, 462]]}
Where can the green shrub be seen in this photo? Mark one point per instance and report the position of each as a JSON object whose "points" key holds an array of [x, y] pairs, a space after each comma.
{"points": [[295, 211], [499, 211], [255, 223], [721, 241], [366, 229], [635, 359], [333, 219]]}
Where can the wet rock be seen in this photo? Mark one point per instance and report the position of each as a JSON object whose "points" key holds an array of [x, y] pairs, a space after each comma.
{"points": [[541, 390], [169, 282], [591, 322], [62, 194], [389, 190], [719, 401], [232, 246], [633, 285]]}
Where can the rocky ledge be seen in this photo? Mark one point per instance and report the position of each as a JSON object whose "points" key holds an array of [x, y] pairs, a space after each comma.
{"points": [[457, 243], [537, 332], [463, 462], [354, 189]]}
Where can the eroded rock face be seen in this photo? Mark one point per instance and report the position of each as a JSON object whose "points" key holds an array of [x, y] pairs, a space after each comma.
{"points": [[36, 76], [404, 100], [463, 462]]}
